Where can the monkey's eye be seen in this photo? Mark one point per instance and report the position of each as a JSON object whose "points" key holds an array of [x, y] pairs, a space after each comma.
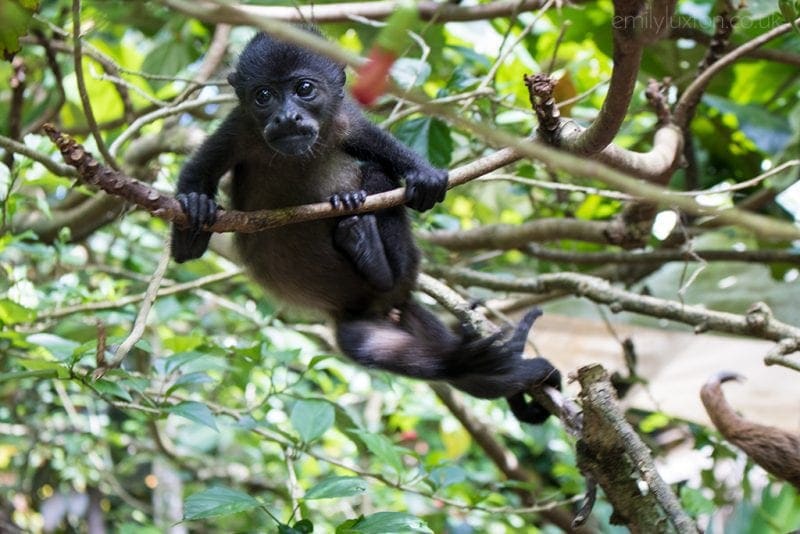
{"points": [[305, 89], [263, 96]]}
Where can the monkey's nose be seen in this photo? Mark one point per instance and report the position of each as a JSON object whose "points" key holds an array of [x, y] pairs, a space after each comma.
{"points": [[297, 117]]}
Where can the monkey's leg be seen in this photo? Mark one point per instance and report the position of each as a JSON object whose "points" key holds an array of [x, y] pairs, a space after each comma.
{"points": [[358, 238], [381, 344]]}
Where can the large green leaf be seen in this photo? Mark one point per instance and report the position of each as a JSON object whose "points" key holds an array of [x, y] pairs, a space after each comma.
{"points": [[15, 21], [429, 137], [337, 487], [311, 418], [195, 411], [383, 523], [217, 501], [383, 448]]}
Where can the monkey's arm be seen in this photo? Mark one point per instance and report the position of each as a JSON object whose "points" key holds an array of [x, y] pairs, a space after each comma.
{"points": [[197, 187], [425, 184]]}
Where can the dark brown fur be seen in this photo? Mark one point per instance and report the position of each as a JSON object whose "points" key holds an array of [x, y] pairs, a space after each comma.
{"points": [[295, 139]]}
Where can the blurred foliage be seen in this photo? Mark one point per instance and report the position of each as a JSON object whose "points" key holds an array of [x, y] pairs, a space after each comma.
{"points": [[261, 427]]}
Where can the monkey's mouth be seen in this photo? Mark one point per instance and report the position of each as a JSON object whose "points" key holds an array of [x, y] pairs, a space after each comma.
{"points": [[295, 143]]}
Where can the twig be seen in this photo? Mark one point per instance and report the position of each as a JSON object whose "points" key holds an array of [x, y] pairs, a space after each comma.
{"points": [[141, 317], [345, 12], [133, 299], [758, 322], [85, 101], [59, 169], [692, 94], [663, 256]]}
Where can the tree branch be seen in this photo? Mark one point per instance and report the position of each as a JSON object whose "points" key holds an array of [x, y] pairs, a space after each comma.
{"points": [[691, 96], [758, 322], [663, 256], [615, 456], [347, 11], [166, 207]]}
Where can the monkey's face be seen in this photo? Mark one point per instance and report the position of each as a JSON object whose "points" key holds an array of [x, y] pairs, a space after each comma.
{"points": [[291, 93], [291, 113]]}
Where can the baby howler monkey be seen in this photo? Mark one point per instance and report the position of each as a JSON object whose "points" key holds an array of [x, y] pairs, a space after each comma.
{"points": [[294, 139]]}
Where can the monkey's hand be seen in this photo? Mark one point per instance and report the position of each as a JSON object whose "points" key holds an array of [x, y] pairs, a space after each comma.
{"points": [[425, 186], [192, 242]]}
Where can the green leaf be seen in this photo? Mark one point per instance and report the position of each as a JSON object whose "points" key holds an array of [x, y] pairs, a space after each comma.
{"points": [[334, 487], [311, 418], [217, 501], [44, 365], [60, 348], [195, 411], [189, 379], [12, 313], [108, 387], [304, 526], [16, 17], [383, 448], [429, 137], [169, 59], [384, 523], [176, 361], [410, 73], [789, 11]]}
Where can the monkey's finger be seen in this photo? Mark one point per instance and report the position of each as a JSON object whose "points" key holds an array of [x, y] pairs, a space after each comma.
{"points": [[211, 208]]}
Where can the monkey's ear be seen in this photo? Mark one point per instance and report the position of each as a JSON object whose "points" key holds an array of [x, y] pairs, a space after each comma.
{"points": [[233, 79]]}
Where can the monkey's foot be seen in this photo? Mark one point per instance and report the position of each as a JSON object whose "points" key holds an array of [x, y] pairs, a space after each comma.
{"points": [[348, 200]]}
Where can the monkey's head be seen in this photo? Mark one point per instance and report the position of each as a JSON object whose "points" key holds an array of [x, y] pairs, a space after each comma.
{"points": [[292, 93]]}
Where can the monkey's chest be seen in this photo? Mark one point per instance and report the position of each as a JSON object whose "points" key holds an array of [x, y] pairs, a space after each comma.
{"points": [[299, 263]]}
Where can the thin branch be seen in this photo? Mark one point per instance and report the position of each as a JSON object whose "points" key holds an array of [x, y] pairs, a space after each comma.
{"points": [[59, 169], [510, 236], [141, 317], [134, 299], [757, 323], [663, 256], [505, 51], [161, 113], [691, 96], [345, 12], [84, 95], [167, 208]]}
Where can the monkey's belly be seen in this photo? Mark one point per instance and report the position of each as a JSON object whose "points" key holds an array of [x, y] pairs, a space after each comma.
{"points": [[299, 265]]}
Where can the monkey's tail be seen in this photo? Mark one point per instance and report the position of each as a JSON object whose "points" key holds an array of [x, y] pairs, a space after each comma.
{"points": [[776, 450]]}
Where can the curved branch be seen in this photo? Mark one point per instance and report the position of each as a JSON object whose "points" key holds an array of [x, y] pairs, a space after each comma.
{"points": [[774, 449], [691, 97], [656, 165], [632, 30]]}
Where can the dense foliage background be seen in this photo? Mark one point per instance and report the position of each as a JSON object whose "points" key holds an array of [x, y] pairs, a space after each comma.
{"points": [[227, 402]]}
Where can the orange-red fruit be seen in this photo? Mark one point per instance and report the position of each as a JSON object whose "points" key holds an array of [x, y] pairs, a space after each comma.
{"points": [[373, 76]]}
